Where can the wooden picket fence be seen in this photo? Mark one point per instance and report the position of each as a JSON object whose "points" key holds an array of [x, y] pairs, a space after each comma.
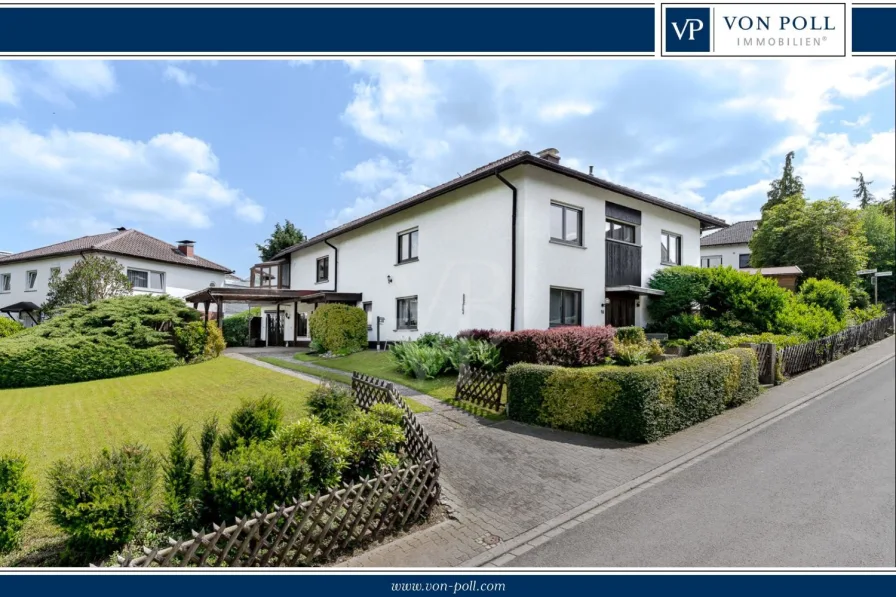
{"points": [[803, 357], [309, 532], [480, 387]]}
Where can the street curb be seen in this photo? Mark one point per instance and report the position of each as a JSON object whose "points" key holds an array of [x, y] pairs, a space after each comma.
{"points": [[520, 544]]}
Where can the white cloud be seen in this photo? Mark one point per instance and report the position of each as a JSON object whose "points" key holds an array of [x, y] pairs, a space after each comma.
{"points": [[733, 200], [70, 227], [861, 121], [564, 109], [56, 81], [93, 77], [180, 76], [170, 177], [371, 174], [833, 159], [8, 94]]}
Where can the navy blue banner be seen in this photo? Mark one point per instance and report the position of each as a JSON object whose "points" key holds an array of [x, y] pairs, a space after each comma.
{"points": [[461, 583], [444, 30], [874, 29]]}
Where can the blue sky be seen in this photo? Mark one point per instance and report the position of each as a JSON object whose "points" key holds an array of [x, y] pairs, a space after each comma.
{"points": [[219, 151]]}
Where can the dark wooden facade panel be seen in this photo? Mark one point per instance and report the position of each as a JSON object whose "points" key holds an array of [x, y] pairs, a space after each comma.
{"points": [[623, 264], [623, 214]]}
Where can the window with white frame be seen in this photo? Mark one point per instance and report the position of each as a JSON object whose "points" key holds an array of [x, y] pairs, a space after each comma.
{"points": [[30, 279], [5, 282], [406, 313], [670, 248], [711, 261], [142, 279], [408, 244]]}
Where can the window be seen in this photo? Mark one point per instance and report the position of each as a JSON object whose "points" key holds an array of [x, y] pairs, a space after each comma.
{"points": [[623, 232], [566, 224], [5, 283], [711, 261], [407, 313], [146, 280], [407, 246], [368, 308], [670, 249], [323, 269], [566, 307], [744, 260], [30, 279]]}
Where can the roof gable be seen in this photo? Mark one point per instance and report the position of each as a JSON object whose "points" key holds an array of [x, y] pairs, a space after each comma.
{"points": [[739, 233]]}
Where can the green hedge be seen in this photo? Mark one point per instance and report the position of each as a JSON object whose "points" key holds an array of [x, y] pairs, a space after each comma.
{"points": [[236, 327], [339, 328], [642, 403], [8, 327]]}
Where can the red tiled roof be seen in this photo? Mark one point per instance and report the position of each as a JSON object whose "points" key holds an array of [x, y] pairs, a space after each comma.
{"points": [[507, 162], [129, 243]]}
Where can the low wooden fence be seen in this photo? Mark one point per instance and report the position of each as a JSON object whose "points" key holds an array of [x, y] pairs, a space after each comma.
{"points": [[803, 357], [480, 387], [309, 532]]}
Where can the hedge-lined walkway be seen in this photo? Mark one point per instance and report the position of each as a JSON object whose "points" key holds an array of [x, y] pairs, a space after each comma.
{"points": [[516, 482]]}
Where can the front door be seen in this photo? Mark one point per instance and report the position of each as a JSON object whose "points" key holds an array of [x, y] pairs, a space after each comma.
{"points": [[275, 329], [621, 311]]}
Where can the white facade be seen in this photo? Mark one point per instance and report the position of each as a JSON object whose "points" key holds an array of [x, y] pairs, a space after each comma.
{"points": [[725, 255], [462, 275], [177, 280]]}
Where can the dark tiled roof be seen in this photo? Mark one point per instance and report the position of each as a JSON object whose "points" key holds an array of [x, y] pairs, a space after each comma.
{"points": [[490, 169], [130, 243], [737, 234]]}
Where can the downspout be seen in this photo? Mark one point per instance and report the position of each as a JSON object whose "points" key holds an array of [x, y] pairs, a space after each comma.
{"points": [[512, 253], [335, 266]]}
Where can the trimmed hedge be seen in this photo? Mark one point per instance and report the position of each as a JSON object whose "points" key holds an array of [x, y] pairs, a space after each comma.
{"points": [[339, 328], [236, 327], [572, 346], [642, 403], [8, 327], [631, 334]]}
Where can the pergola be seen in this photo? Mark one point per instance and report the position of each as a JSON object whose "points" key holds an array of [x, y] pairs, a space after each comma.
{"points": [[24, 307], [219, 296]]}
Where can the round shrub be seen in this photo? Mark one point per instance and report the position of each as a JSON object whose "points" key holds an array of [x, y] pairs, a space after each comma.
{"points": [[630, 334], [827, 294], [811, 321], [708, 341], [323, 448], [254, 421], [369, 435], [331, 403], [8, 327], [101, 503], [340, 329], [198, 340], [17, 499], [685, 287]]}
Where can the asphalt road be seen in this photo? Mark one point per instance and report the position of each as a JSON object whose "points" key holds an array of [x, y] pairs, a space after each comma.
{"points": [[817, 488]]}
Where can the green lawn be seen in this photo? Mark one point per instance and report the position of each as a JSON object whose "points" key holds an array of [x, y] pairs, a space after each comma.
{"points": [[345, 378], [377, 364], [54, 422]]}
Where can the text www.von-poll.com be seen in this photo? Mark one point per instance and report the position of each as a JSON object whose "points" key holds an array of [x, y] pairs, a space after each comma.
{"points": [[470, 586]]}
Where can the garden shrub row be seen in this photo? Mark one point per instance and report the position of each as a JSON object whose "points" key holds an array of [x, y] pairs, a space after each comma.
{"points": [[109, 338], [642, 403], [575, 346]]}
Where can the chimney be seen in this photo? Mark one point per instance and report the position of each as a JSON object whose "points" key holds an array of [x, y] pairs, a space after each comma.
{"points": [[120, 229], [550, 154], [186, 247]]}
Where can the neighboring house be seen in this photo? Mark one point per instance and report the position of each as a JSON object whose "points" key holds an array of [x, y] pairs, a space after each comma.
{"points": [[786, 276], [153, 267], [234, 281], [728, 246], [522, 242]]}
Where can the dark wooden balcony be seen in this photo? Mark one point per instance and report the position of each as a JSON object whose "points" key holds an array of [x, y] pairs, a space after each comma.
{"points": [[270, 274], [623, 264]]}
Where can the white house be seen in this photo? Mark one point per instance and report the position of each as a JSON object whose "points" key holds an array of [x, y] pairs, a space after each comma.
{"points": [[522, 242], [153, 267], [728, 246]]}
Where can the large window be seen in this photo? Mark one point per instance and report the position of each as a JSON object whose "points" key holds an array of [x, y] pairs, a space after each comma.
{"points": [[323, 269], [711, 261], [566, 224], [407, 246], [670, 248], [30, 279], [146, 280], [618, 231], [407, 313], [5, 282], [744, 260], [566, 307]]}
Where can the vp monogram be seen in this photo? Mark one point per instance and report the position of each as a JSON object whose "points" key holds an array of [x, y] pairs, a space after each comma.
{"points": [[691, 26]]}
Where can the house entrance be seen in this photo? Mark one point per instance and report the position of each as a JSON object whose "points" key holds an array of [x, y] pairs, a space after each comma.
{"points": [[620, 310]]}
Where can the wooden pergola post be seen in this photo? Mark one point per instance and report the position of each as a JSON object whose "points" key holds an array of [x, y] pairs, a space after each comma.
{"points": [[220, 305], [206, 304]]}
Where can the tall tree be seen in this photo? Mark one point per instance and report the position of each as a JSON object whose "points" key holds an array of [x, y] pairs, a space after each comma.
{"points": [[92, 278], [824, 238], [283, 237], [880, 231], [861, 191], [787, 186]]}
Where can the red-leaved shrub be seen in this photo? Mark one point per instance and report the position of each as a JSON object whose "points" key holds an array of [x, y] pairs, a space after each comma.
{"points": [[478, 334], [565, 346]]}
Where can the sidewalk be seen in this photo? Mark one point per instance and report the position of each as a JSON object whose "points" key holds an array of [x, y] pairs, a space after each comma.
{"points": [[513, 486]]}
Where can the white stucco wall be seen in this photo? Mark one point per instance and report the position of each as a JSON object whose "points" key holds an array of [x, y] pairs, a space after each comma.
{"points": [[729, 253], [462, 278], [179, 280], [545, 264]]}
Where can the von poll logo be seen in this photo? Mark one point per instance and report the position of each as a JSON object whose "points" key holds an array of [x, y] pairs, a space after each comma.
{"points": [[755, 30]]}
